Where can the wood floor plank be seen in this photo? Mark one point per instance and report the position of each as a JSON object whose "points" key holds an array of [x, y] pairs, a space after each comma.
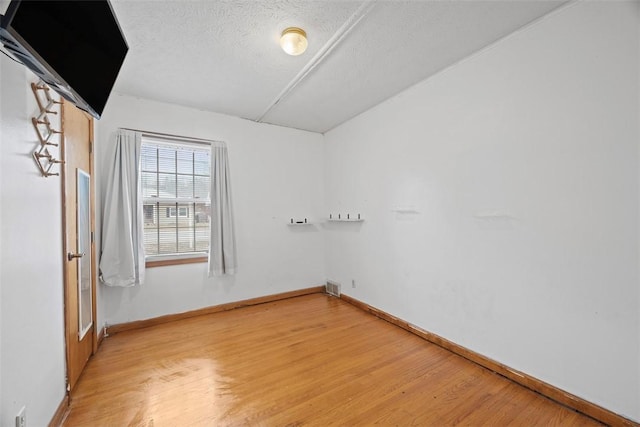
{"points": [[310, 360]]}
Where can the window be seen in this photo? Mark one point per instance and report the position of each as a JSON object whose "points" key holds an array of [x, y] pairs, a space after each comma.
{"points": [[175, 180], [182, 212]]}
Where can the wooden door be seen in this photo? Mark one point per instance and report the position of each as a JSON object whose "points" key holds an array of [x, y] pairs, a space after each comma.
{"points": [[79, 246]]}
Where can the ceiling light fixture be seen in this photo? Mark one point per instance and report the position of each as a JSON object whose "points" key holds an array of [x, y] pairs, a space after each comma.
{"points": [[294, 41]]}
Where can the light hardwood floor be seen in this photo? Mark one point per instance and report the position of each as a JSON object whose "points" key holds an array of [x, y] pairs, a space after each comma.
{"points": [[311, 360]]}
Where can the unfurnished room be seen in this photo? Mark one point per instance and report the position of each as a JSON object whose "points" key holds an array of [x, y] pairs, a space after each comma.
{"points": [[319, 212]]}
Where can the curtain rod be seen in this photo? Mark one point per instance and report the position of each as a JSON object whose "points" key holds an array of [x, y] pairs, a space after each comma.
{"points": [[174, 137]]}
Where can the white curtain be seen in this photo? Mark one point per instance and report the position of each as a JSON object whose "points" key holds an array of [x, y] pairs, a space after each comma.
{"points": [[122, 260], [222, 246]]}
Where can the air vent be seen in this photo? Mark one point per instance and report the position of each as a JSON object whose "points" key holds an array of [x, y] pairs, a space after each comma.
{"points": [[333, 288]]}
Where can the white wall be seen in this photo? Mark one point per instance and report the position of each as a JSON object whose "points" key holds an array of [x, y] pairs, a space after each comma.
{"points": [[276, 173], [32, 365], [523, 164]]}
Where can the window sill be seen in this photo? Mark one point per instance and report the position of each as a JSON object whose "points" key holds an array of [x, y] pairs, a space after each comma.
{"points": [[151, 263]]}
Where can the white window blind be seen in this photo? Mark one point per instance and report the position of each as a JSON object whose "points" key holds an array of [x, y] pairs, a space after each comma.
{"points": [[175, 181]]}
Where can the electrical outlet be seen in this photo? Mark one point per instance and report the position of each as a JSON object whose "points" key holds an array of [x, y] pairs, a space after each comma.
{"points": [[353, 283], [21, 418]]}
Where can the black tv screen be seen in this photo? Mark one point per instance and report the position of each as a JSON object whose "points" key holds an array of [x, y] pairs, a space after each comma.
{"points": [[76, 47]]}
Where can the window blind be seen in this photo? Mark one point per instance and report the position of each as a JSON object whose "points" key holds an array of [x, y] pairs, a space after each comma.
{"points": [[175, 181]]}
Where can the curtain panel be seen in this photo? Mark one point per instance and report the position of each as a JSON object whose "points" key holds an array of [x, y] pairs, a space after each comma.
{"points": [[222, 249], [122, 262]]}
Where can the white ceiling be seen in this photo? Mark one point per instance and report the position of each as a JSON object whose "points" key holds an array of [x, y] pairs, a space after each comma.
{"points": [[224, 56]]}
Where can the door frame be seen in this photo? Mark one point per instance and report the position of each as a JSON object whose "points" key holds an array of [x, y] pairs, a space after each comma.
{"points": [[65, 245]]}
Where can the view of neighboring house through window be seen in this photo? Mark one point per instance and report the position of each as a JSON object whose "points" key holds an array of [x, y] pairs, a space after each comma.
{"points": [[175, 181]]}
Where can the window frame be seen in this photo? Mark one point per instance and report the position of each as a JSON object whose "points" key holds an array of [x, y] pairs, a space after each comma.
{"points": [[157, 260]]}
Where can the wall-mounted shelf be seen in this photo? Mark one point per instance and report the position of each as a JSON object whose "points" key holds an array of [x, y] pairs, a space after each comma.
{"points": [[349, 217], [405, 210], [295, 222]]}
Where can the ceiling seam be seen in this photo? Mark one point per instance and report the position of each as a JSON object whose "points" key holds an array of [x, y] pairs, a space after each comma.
{"points": [[362, 11]]}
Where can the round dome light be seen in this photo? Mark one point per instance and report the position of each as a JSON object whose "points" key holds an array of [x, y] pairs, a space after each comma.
{"points": [[294, 41]]}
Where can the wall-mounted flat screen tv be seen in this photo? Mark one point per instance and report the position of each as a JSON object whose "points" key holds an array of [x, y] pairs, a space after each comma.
{"points": [[76, 47]]}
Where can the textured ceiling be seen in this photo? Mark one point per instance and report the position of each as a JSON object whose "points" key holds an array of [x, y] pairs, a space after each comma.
{"points": [[224, 56]]}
